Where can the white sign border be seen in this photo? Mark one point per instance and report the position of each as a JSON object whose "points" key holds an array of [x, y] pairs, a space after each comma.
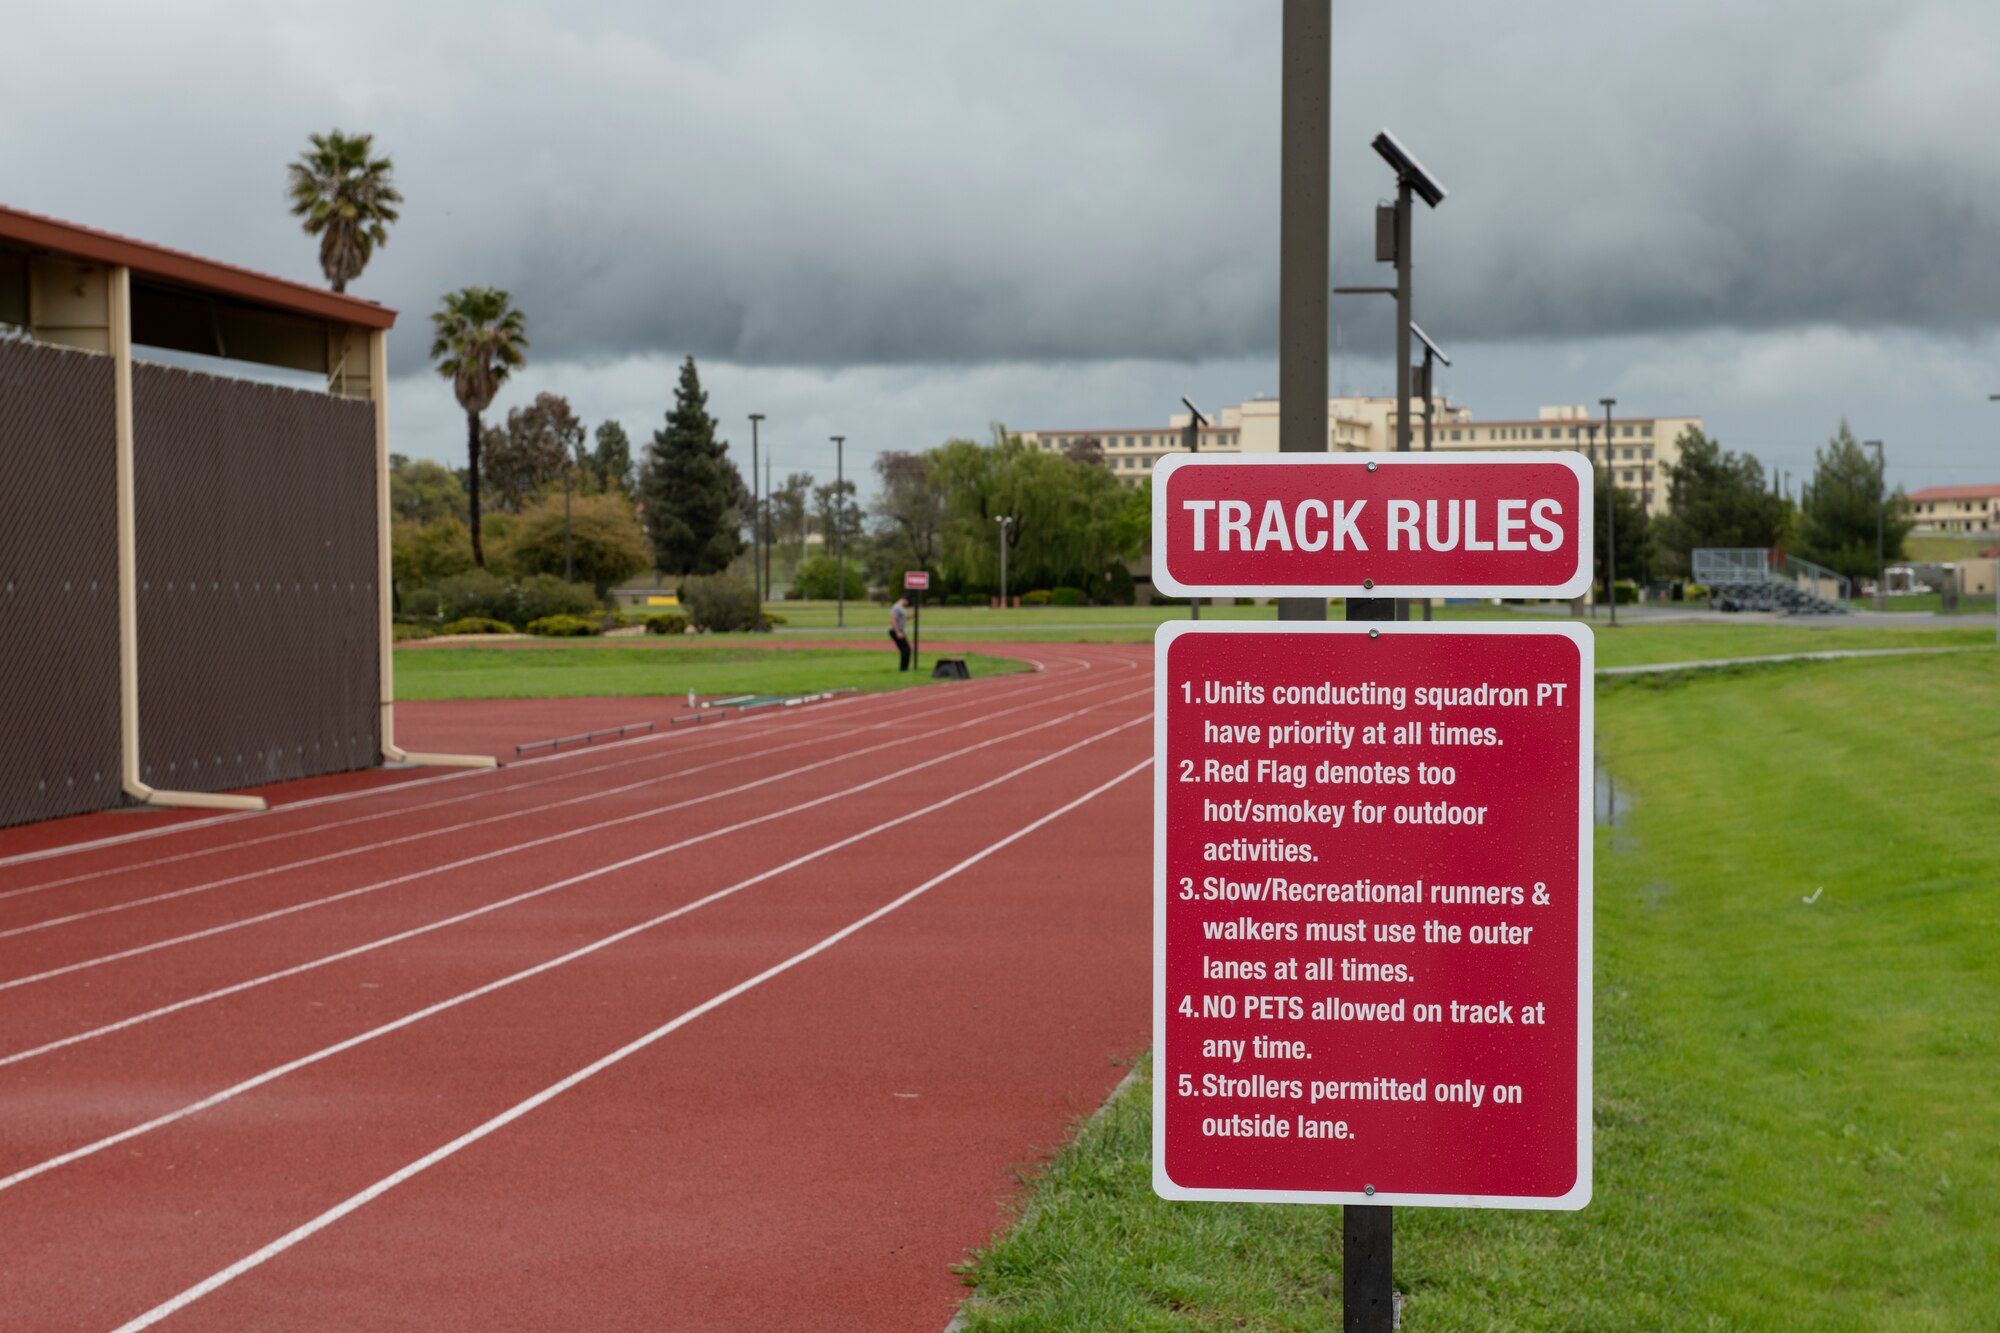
{"points": [[1579, 1194], [1575, 585]]}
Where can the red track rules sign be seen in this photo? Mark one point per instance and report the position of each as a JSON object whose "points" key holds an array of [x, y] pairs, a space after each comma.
{"points": [[916, 580], [1371, 913], [1378, 525]]}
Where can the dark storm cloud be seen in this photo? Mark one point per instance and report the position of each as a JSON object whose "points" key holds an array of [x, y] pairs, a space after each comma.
{"points": [[826, 184]]}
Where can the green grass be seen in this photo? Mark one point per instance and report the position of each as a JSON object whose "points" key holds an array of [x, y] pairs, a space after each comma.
{"points": [[1938, 548], [601, 669], [1633, 645], [1797, 1124]]}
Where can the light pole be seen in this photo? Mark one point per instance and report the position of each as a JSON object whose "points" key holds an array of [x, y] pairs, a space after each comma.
{"points": [[1995, 398], [756, 518], [1590, 452], [839, 542], [1432, 354], [569, 554], [1610, 511], [1881, 502], [1191, 441], [1392, 243], [1006, 521]]}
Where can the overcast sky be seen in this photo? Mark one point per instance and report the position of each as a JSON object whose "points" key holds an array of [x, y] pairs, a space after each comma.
{"points": [[902, 219]]}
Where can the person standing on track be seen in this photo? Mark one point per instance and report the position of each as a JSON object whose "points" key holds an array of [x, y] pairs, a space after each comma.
{"points": [[899, 624]]}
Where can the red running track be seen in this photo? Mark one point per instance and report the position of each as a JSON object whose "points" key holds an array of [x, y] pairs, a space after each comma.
{"points": [[746, 1026]]}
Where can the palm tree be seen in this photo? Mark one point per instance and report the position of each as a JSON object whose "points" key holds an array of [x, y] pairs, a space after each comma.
{"points": [[346, 199], [480, 341]]}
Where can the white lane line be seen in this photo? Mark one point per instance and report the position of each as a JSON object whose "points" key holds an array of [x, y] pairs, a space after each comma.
{"points": [[429, 1011], [796, 722], [138, 950], [584, 798], [335, 798], [554, 1090]]}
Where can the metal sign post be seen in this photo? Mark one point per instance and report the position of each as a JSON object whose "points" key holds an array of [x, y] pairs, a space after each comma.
{"points": [[917, 581]]}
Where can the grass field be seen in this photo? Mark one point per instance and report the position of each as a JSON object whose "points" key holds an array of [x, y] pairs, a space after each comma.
{"points": [[1797, 1105], [1929, 603], [533, 671]]}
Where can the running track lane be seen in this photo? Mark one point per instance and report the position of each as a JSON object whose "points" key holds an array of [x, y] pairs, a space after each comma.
{"points": [[800, 1194]]}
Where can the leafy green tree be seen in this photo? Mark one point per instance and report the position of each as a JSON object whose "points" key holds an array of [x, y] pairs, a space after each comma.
{"points": [[540, 442], [836, 510], [421, 490], [819, 579], [346, 198], [1633, 536], [790, 506], [1714, 498], [604, 534], [1064, 529], [611, 463], [693, 495], [1837, 516], [480, 339], [421, 553], [909, 511]]}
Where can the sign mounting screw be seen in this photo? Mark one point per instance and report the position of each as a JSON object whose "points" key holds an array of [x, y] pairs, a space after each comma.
{"points": [[1368, 1190], [1374, 633], [1371, 465], [1368, 583]]}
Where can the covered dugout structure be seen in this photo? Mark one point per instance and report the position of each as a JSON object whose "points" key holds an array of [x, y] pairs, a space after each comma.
{"points": [[194, 568]]}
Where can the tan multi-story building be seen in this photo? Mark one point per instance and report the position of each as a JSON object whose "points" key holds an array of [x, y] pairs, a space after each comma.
{"points": [[1955, 508], [1640, 447]]}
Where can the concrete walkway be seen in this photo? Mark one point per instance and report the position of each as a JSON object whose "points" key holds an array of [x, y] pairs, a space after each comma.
{"points": [[1651, 668]]}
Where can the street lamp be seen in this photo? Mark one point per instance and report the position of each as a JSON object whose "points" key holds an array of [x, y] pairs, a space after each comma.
{"points": [[839, 542], [1006, 521], [1191, 441], [1610, 511], [1590, 452], [1881, 503], [756, 518]]}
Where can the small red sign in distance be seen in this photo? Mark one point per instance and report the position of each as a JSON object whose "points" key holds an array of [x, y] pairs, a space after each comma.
{"points": [[916, 580], [1372, 914], [1374, 525]]}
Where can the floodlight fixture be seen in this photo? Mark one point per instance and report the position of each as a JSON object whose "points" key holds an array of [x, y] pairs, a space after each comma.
{"points": [[1430, 347], [1408, 169]]}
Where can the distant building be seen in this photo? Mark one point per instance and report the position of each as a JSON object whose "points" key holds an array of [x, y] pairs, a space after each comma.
{"points": [[1955, 508], [1640, 446]]}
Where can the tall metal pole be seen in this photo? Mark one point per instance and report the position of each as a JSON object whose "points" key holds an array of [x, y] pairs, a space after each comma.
{"points": [[1590, 452], [1005, 521], [1881, 503], [1430, 402], [839, 539], [756, 519], [1995, 398], [767, 526], [1610, 511], [1304, 233], [1304, 245]]}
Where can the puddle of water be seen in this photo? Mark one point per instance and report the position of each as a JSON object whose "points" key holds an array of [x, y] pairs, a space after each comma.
{"points": [[1610, 802]]}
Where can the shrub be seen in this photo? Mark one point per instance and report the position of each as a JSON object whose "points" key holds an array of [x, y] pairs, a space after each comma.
{"points": [[773, 618], [475, 593], [565, 627], [1039, 597], [424, 603], [819, 580], [670, 623], [721, 603], [1625, 590], [1695, 592], [542, 595], [402, 632], [476, 625], [1066, 597]]}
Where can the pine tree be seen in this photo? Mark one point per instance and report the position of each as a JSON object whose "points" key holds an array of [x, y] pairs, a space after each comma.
{"points": [[1839, 512], [1714, 498], [693, 495]]}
